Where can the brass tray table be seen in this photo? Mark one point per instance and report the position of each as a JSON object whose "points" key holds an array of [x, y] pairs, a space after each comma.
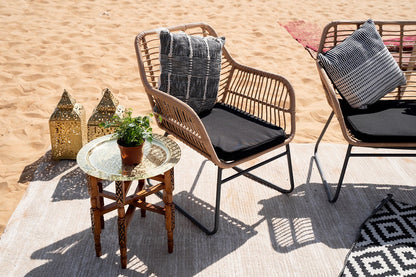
{"points": [[100, 160]]}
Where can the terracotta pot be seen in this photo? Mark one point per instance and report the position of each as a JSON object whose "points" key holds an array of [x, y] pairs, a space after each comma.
{"points": [[132, 155]]}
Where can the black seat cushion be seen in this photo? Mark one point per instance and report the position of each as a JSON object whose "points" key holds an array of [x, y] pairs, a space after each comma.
{"points": [[384, 121], [236, 134]]}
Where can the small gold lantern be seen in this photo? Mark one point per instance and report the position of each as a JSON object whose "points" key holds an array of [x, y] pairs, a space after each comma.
{"points": [[67, 127], [105, 110]]}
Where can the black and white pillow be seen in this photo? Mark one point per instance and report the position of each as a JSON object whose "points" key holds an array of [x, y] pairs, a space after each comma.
{"points": [[190, 68], [362, 68]]}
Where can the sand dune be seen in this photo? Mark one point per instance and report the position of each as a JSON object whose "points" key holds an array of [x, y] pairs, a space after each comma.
{"points": [[86, 46]]}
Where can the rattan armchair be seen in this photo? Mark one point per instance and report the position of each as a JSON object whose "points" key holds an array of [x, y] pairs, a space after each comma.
{"points": [[264, 96], [396, 109]]}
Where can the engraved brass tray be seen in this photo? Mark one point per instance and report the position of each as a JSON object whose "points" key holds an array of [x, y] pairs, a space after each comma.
{"points": [[101, 158]]}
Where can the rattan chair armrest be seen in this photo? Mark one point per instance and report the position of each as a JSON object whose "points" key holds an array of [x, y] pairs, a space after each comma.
{"points": [[263, 94], [333, 101], [330, 92], [180, 120]]}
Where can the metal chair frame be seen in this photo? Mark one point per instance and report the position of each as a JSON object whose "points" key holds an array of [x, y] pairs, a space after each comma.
{"points": [[240, 172]]}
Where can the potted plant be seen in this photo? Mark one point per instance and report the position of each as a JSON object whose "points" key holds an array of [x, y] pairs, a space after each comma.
{"points": [[131, 133]]}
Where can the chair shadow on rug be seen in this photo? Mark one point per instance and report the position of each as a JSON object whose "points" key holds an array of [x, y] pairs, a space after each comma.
{"points": [[304, 219]]}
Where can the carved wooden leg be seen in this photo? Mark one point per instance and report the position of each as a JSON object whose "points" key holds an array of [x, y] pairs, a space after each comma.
{"points": [[169, 207], [141, 185], [101, 202], [95, 213], [122, 226]]}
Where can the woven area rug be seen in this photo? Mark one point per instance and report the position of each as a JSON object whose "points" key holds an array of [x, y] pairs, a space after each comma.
{"points": [[386, 245]]}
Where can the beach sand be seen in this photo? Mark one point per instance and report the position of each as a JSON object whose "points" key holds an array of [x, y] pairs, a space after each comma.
{"points": [[86, 46]]}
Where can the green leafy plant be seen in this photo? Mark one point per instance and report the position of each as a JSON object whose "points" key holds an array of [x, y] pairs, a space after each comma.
{"points": [[131, 131]]}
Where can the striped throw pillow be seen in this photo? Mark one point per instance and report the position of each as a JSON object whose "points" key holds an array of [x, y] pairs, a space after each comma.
{"points": [[190, 68], [361, 67]]}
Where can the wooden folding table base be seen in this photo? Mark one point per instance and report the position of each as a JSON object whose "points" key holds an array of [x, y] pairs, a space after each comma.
{"points": [[135, 200]]}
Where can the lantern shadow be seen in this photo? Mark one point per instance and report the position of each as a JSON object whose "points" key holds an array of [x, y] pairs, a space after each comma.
{"points": [[71, 180]]}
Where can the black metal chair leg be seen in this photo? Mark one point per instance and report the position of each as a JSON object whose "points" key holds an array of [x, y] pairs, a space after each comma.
{"points": [[289, 164], [323, 132], [332, 198], [314, 158], [216, 211]]}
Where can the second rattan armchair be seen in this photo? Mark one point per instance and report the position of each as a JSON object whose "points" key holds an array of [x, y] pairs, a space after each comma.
{"points": [[253, 115], [389, 123]]}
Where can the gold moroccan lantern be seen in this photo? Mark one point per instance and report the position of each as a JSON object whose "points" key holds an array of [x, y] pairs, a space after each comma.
{"points": [[105, 110], [67, 126]]}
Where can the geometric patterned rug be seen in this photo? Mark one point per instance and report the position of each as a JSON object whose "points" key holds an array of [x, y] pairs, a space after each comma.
{"points": [[386, 244]]}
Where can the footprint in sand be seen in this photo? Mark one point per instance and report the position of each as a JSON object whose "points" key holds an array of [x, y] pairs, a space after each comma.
{"points": [[307, 80], [258, 34], [32, 77]]}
